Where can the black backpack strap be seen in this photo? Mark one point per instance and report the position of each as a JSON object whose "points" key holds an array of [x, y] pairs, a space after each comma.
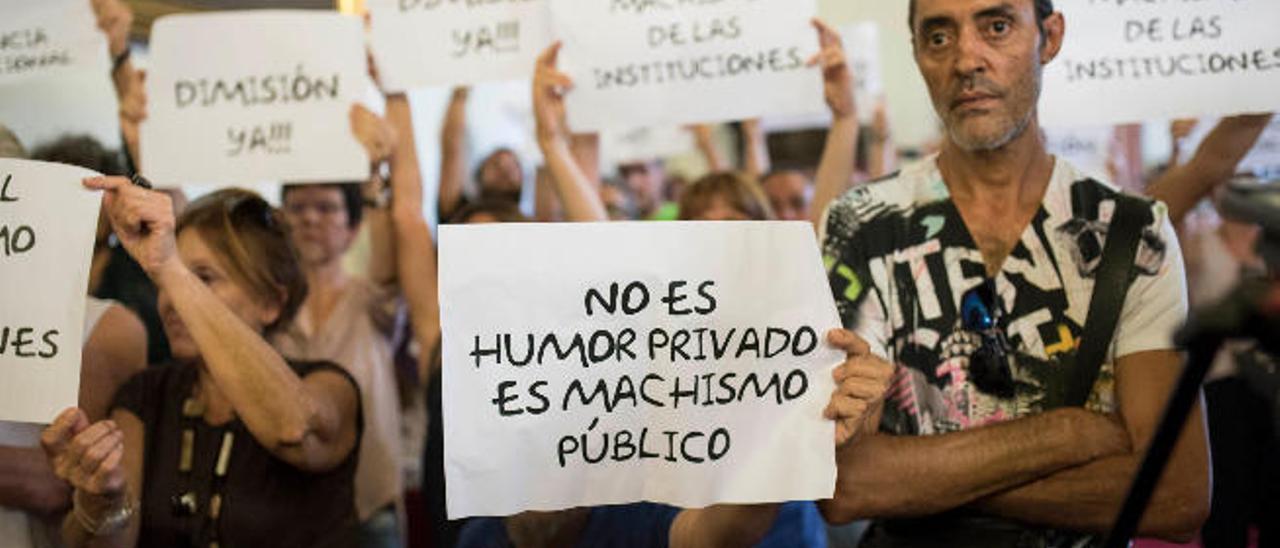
{"points": [[1111, 283]]}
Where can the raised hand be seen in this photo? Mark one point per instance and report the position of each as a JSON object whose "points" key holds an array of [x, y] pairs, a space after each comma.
{"points": [[549, 87], [837, 77], [861, 383], [143, 221], [374, 133], [114, 19]]}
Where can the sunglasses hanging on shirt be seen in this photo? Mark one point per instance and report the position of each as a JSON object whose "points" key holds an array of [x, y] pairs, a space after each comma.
{"points": [[990, 366]]}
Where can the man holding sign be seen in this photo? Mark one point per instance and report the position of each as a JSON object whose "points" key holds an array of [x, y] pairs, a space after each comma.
{"points": [[973, 271]]}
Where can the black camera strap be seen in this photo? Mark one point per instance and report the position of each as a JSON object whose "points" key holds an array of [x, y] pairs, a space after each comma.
{"points": [[1111, 283]]}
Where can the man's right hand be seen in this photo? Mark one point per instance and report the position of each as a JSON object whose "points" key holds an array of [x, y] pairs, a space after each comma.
{"points": [[861, 383]]}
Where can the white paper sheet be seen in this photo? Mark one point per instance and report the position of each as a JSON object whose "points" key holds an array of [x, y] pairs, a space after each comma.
{"points": [[641, 64], [422, 43], [1137, 61], [55, 73], [47, 225], [739, 280], [244, 97]]}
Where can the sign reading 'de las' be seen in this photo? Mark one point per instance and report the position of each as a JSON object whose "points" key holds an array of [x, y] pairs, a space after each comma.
{"points": [[240, 97], [448, 42], [638, 63], [1162, 60], [47, 226], [681, 363]]}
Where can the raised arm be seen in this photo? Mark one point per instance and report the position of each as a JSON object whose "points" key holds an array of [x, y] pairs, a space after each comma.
{"points": [[114, 19], [453, 153], [882, 153], [579, 194], [379, 139], [835, 171], [309, 423], [755, 150], [417, 264], [704, 140], [1182, 187]]}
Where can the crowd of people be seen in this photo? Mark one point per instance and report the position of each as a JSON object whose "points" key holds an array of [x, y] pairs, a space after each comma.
{"points": [[242, 386]]}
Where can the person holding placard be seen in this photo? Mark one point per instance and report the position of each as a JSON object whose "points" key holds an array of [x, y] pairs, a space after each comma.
{"points": [[114, 349], [232, 444], [500, 177], [862, 382], [352, 320], [1012, 421]]}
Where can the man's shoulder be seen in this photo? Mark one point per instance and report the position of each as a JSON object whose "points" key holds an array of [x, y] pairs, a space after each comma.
{"points": [[893, 195], [1088, 198]]}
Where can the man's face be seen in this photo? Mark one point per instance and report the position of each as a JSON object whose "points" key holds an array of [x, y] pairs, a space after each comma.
{"points": [[788, 194], [319, 223], [982, 61], [644, 180], [501, 174]]}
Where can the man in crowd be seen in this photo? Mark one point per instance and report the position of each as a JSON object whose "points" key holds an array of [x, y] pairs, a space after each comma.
{"points": [[988, 452], [499, 177]]}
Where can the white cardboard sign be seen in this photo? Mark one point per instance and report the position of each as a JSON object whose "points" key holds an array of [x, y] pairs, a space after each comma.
{"points": [[1127, 61], [639, 63], [695, 351], [422, 43], [862, 52], [48, 38], [55, 73], [242, 97], [47, 225]]}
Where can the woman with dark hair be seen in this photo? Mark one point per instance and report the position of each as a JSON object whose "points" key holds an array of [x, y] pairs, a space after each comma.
{"points": [[231, 444]]}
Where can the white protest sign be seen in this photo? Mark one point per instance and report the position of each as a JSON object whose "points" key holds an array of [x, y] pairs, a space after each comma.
{"points": [[1088, 149], [681, 363], [47, 225], [55, 73], [862, 52], [642, 63], [644, 144], [422, 43], [1128, 61], [862, 46], [241, 97], [47, 38]]}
